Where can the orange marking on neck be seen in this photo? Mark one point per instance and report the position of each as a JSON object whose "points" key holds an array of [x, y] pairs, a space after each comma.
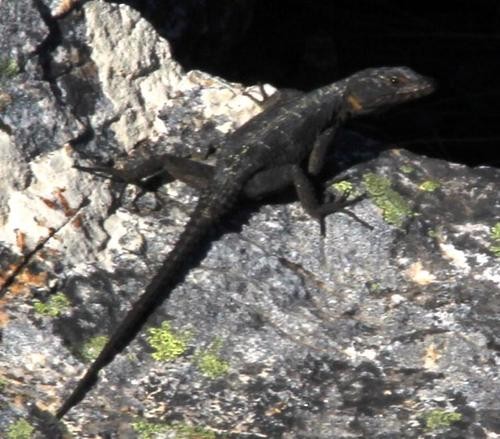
{"points": [[354, 103]]}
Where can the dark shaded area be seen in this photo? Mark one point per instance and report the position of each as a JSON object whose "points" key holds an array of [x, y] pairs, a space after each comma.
{"points": [[50, 43], [301, 44]]}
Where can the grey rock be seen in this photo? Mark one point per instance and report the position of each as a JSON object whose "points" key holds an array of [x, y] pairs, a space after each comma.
{"points": [[385, 331]]}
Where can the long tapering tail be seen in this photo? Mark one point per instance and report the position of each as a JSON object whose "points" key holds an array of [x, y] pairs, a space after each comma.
{"points": [[172, 272]]}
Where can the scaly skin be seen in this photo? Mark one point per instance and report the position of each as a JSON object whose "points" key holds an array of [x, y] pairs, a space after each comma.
{"points": [[262, 156]]}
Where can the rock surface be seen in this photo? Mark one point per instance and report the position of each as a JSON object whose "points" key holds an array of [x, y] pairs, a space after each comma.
{"points": [[385, 331]]}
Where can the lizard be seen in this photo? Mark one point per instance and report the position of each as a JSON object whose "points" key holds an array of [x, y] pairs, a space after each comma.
{"points": [[280, 147]]}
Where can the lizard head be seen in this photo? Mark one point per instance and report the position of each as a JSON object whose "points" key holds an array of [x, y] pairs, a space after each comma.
{"points": [[379, 88]]}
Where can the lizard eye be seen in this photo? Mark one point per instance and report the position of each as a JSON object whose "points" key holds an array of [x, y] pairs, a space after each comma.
{"points": [[394, 80]]}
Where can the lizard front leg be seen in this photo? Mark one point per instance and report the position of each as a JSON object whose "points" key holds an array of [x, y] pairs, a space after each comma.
{"points": [[308, 199], [276, 179], [279, 178], [321, 147]]}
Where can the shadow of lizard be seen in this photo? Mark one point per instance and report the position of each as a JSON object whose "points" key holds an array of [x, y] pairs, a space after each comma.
{"points": [[281, 147]]}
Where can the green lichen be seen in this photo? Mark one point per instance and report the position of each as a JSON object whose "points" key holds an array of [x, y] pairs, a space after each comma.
{"points": [[5, 101], [132, 357], [429, 186], [185, 431], [439, 419], [210, 363], [93, 347], [374, 287], [407, 169], [8, 68], [344, 186], [395, 208], [3, 384], [148, 430], [167, 344], [21, 429], [53, 307], [346, 189], [495, 237], [433, 233]]}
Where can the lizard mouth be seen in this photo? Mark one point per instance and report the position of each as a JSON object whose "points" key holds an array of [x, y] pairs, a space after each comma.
{"points": [[426, 87], [390, 99]]}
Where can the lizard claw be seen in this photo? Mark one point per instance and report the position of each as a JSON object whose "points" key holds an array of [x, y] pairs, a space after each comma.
{"points": [[340, 205]]}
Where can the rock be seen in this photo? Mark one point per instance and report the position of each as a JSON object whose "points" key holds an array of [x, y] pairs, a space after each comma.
{"points": [[386, 327]]}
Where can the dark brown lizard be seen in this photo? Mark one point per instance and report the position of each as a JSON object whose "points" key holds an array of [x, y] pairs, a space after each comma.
{"points": [[279, 147]]}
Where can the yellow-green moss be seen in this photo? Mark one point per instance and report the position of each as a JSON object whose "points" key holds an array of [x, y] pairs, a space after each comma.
{"points": [[495, 237], [93, 347], [148, 430], [53, 307], [167, 344], [210, 363], [21, 429], [429, 185], [3, 384], [438, 419], [395, 208]]}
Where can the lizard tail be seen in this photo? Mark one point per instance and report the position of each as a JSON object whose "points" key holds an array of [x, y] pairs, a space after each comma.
{"points": [[172, 272]]}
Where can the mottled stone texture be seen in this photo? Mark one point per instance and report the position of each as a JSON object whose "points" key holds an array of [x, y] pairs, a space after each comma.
{"points": [[381, 330]]}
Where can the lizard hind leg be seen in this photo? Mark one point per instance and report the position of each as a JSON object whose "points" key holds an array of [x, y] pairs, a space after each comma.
{"points": [[137, 173], [149, 175], [195, 174], [155, 171]]}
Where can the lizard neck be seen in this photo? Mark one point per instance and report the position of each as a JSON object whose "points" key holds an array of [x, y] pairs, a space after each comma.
{"points": [[332, 95], [328, 104]]}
